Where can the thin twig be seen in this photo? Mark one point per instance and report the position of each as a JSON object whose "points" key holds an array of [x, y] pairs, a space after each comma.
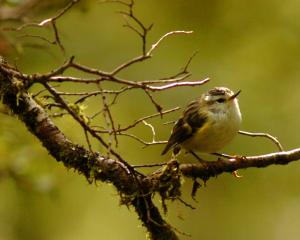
{"points": [[82, 122], [107, 113], [148, 54], [142, 31], [150, 165], [141, 140], [74, 79], [57, 37], [157, 106], [185, 203], [47, 21], [38, 37], [266, 135], [178, 84], [88, 140], [169, 122], [155, 45], [146, 118], [185, 69], [152, 130]]}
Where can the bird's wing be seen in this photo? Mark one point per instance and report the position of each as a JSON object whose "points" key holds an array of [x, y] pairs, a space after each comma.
{"points": [[186, 126], [181, 132]]}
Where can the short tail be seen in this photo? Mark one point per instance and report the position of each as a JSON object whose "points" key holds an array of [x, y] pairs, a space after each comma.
{"points": [[166, 149], [176, 149]]}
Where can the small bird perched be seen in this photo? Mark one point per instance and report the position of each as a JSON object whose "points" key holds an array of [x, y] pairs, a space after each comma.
{"points": [[208, 123]]}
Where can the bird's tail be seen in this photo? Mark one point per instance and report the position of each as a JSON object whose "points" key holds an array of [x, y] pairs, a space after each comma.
{"points": [[166, 149]]}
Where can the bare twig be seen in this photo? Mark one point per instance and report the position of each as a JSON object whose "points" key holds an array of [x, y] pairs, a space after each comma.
{"points": [[185, 203], [115, 92], [38, 37], [169, 122], [149, 165], [146, 118], [172, 83], [60, 13], [185, 68], [51, 21], [157, 106], [80, 121], [266, 135], [57, 37], [108, 117], [178, 84], [152, 130], [148, 54], [145, 143], [142, 31], [155, 45], [129, 63], [88, 140]]}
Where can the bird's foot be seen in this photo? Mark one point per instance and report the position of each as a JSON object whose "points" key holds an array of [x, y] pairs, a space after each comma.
{"points": [[236, 174], [197, 157], [231, 158]]}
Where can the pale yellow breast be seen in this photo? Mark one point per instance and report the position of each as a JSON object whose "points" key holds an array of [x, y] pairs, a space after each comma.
{"points": [[216, 133]]}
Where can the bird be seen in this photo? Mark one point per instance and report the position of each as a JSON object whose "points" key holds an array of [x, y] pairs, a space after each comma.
{"points": [[207, 124]]}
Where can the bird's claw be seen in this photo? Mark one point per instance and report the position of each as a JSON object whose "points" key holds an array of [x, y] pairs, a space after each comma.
{"points": [[236, 174]]}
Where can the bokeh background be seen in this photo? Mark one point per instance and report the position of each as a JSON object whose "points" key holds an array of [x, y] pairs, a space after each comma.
{"points": [[248, 45]]}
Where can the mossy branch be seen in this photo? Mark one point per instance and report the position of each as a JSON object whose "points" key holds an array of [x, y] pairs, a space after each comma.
{"points": [[92, 165]]}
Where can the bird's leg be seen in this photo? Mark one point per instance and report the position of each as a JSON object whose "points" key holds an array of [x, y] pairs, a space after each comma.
{"points": [[197, 157], [236, 174], [232, 158], [224, 155], [176, 151]]}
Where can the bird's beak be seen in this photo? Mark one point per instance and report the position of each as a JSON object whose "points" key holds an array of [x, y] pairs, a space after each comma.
{"points": [[235, 95]]}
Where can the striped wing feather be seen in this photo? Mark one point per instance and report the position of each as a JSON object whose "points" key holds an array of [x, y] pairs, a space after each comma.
{"points": [[186, 126]]}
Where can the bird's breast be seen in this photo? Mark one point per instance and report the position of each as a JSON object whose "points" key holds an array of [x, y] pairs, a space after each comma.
{"points": [[218, 131]]}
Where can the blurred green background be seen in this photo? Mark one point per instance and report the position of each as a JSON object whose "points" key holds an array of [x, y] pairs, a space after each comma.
{"points": [[248, 45]]}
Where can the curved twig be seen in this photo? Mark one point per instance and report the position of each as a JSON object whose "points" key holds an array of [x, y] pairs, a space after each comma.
{"points": [[266, 135]]}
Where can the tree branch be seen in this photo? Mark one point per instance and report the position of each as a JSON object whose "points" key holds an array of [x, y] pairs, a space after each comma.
{"points": [[92, 165], [214, 168], [135, 188]]}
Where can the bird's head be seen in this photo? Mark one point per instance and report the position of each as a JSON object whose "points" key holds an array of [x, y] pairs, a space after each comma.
{"points": [[220, 99]]}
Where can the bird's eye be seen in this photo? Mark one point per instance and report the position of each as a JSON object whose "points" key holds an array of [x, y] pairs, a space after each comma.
{"points": [[221, 100]]}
